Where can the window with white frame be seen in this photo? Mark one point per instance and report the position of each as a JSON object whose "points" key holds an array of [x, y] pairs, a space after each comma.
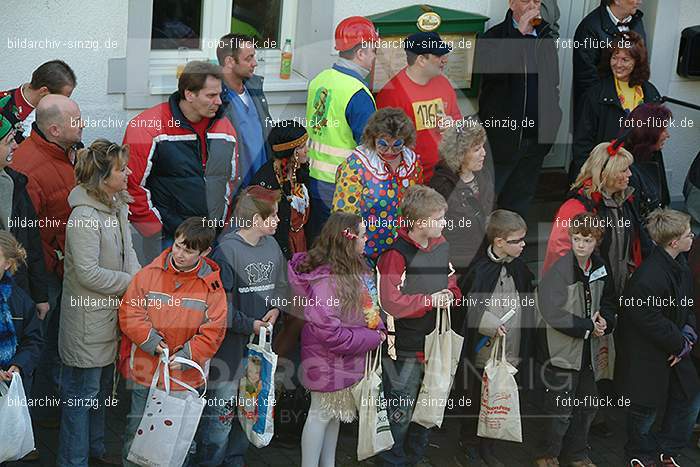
{"points": [[186, 30]]}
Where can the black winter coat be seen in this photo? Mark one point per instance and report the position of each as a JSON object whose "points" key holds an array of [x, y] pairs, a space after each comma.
{"points": [[650, 183], [479, 284], [32, 277], [266, 177], [466, 214], [503, 67], [30, 340], [593, 34], [600, 117], [648, 333]]}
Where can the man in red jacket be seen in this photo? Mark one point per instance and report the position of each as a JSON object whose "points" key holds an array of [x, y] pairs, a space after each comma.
{"points": [[423, 92], [46, 158], [183, 160]]}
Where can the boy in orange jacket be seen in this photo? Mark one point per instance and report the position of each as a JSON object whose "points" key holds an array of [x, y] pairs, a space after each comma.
{"points": [[176, 302]]}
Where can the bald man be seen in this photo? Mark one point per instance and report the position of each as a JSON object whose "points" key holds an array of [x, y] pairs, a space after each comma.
{"points": [[47, 157]]}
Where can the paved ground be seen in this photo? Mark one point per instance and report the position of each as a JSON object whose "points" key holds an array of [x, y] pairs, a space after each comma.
{"points": [[444, 449]]}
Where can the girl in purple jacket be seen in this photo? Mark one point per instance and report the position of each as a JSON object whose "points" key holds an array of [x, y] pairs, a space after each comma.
{"points": [[335, 288]]}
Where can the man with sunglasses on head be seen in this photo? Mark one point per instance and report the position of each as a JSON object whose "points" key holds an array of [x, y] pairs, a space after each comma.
{"points": [[423, 92]]}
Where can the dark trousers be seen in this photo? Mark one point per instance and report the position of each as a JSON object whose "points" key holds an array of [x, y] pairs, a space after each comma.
{"points": [[319, 213], [517, 176], [402, 380], [569, 409], [676, 429]]}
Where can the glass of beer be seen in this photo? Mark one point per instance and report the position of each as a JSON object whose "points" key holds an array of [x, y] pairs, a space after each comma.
{"points": [[536, 20]]}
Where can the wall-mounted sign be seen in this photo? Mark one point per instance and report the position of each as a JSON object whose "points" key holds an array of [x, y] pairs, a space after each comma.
{"points": [[429, 21]]}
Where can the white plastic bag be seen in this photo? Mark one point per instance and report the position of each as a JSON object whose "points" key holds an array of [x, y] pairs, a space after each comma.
{"points": [[16, 434], [443, 348], [499, 416], [169, 423], [374, 435], [256, 390]]}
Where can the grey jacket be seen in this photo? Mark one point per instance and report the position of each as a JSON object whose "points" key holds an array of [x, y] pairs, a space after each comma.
{"points": [[567, 321], [99, 264]]}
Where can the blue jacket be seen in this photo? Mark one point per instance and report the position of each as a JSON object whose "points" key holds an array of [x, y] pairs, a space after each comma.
{"points": [[254, 86], [30, 341]]}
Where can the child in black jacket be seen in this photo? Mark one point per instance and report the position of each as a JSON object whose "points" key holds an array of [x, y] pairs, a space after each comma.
{"points": [[496, 284], [20, 329], [656, 334]]}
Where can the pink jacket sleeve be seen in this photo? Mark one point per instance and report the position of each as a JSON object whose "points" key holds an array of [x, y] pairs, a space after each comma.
{"points": [[325, 325]]}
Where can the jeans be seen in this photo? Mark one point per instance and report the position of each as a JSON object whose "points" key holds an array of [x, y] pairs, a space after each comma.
{"points": [[566, 426], [516, 176], [402, 380], [85, 392], [48, 372], [139, 394], [676, 429], [221, 440]]}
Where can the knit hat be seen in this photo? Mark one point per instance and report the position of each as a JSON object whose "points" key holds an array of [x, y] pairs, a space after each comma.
{"points": [[286, 136], [5, 126]]}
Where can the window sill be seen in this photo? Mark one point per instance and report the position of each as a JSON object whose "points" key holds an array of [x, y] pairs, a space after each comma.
{"points": [[278, 91]]}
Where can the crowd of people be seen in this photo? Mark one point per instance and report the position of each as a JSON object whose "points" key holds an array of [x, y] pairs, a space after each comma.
{"points": [[210, 222]]}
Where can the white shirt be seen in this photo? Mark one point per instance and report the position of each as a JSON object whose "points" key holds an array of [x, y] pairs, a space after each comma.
{"points": [[616, 21], [245, 97]]}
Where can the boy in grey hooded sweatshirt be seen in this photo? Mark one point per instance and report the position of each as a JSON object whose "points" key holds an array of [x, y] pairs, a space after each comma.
{"points": [[254, 275]]}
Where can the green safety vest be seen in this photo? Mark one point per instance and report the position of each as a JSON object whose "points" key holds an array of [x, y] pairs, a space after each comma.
{"points": [[330, 137]]}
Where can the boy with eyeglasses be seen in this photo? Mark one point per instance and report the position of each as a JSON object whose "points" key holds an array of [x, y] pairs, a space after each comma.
{"points": [[496, 284]]}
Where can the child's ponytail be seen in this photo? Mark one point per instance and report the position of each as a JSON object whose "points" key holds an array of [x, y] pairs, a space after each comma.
{"points": [[12, 251]]}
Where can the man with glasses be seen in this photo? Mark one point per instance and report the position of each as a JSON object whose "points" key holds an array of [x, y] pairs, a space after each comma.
{"points": [[423, 92]]}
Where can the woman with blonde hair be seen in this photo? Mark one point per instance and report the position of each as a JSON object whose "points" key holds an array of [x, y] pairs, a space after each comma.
{"points": [[462, 179], [602, 187], [99, 264]]}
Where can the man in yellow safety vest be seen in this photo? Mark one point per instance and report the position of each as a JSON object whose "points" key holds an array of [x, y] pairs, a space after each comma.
{"points": [[337, 108]]}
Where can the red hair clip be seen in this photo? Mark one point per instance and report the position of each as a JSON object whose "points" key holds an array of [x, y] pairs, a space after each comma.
{"points": [[615, 146], [349, 235]]}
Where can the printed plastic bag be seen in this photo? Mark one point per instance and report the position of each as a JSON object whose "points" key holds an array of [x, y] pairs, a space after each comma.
{"points": [[256, 391], [169, 423], [499, 416]]}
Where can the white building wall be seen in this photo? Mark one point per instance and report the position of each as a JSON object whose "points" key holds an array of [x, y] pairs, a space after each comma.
{"points": [[68, 26]]}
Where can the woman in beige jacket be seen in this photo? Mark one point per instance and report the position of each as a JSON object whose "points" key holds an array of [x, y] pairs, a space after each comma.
{"points": [[99, 264]]}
